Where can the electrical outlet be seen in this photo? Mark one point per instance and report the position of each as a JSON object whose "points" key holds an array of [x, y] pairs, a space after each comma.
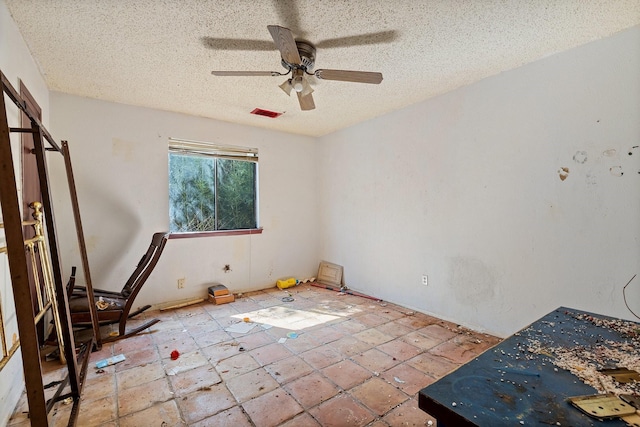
{"points": [[181, 283], [425, 280]]}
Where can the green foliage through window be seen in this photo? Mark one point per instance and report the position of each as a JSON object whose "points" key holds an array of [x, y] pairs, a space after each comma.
{"points": [[209, 193]]}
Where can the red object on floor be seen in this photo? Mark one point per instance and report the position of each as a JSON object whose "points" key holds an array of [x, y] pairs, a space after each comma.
{"points": [[174, 355]]}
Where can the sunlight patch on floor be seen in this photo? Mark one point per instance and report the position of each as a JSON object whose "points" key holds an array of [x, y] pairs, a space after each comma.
{"points": [[287, 318]]}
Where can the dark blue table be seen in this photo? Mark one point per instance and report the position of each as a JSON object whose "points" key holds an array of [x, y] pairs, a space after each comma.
{"points": [[510, 386]]}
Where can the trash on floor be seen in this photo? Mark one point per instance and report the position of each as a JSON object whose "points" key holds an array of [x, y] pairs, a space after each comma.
{"points": [[218, 289], [219, 294], [287, 299], [179, 304], [175, 354], [292, 335], [330, 277], [286, 283], [240, 327], [282, 340], [55, 354], [110, 361]]}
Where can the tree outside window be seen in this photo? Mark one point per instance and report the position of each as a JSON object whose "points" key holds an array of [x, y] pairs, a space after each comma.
{"points": [[211, 190]]}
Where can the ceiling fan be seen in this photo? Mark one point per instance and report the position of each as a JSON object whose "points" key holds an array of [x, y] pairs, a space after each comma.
{"points": [[298, 58]]}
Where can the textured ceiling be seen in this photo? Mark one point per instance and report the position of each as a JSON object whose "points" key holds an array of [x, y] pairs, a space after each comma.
{"points": [[160, 53]]}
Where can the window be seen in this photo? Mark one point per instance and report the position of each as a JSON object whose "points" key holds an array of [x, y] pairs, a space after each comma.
{"points": [[212, 187]]}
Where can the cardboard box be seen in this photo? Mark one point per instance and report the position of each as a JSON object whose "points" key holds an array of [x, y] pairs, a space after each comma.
{"points": [[222, 299], [218, 290]]}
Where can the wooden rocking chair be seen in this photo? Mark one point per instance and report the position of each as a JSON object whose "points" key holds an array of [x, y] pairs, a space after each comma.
{"points": [[115, 307]]}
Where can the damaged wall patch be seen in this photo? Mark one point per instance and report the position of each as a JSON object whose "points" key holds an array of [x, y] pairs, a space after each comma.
{"points": [[616, 171], [563, 173]]}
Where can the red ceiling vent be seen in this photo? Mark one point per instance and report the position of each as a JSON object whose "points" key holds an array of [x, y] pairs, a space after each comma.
{"points": [[266, 113]]}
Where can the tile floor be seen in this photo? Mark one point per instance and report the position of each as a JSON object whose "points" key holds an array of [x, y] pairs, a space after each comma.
{"points": [[354, 362]]}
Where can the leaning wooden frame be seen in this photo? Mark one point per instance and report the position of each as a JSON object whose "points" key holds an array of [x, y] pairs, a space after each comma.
{"points": [[76, 358]]}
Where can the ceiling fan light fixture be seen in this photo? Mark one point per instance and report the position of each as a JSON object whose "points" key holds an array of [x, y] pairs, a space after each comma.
{"points": [[298, 84], [297, 80], [286, 87], [306, 88]]}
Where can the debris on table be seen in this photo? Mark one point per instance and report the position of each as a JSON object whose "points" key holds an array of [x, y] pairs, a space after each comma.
{"points": [[602, 406]]}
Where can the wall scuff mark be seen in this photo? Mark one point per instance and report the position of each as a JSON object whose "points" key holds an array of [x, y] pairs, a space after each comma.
{"points": [[580, 157], [123, 149], [473, 282]]}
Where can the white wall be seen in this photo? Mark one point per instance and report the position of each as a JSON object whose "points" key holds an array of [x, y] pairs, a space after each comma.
{"points": [[16, 64], [465, 188], [119, 156]]}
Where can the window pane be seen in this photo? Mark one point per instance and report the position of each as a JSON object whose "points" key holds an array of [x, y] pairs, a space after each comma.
{"points": [[191, 193], [236, 185]]}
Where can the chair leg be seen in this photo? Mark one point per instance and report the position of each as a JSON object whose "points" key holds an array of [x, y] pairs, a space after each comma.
{"points": [[123, 334], [138, 311]]}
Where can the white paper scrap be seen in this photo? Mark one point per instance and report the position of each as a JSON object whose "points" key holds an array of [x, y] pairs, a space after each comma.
{"points": [[240, 327], [282, 340]]}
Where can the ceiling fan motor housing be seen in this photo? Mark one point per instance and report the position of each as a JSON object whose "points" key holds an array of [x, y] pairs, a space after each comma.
{"points": [[307, 55]]}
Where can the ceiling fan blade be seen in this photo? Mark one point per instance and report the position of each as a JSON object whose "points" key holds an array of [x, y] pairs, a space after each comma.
{"points": [[247, 73], [349, 76], [359, 40], [237, 44], [286, 44], [306, 102]]}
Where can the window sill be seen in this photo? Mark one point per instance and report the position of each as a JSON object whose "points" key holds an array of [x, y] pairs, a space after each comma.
{"points": [[188, 235]]}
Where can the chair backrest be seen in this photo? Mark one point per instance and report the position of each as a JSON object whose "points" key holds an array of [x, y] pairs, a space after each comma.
{"points": [[72, 282], [146, 265]]}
